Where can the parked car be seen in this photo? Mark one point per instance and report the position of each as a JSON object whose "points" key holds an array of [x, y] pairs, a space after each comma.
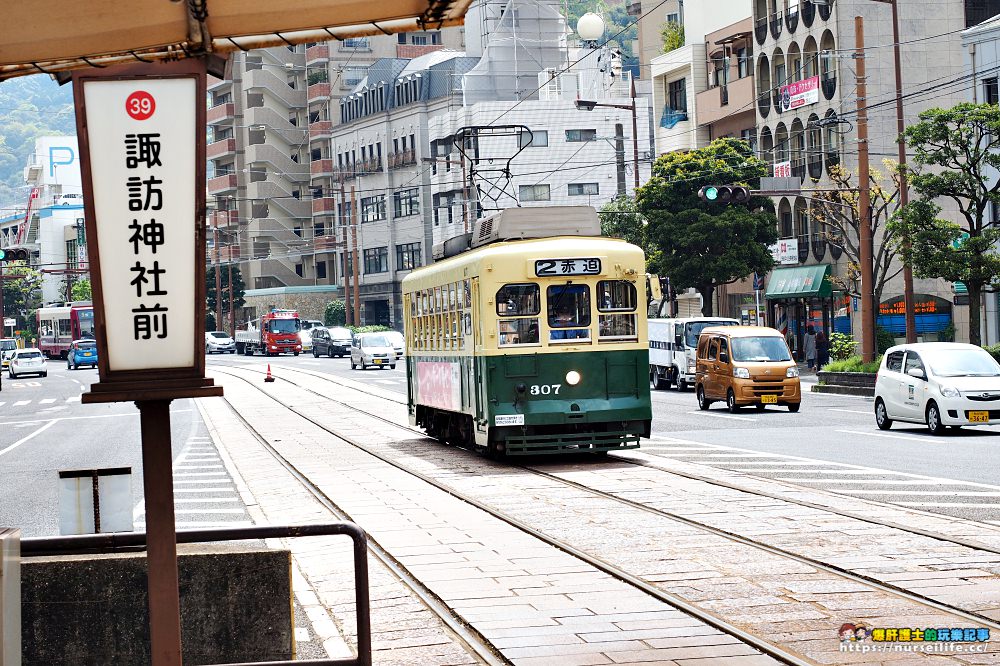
{"points": [[219, 342], [28, 361], [746, 365], [397, 341], [372, 349], [940, 384], [7, 347], [305, 333], [81, 352], [333, 341]]}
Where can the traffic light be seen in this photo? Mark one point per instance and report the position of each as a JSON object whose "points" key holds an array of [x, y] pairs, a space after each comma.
{"points": [[725, 194], [14, 254]]}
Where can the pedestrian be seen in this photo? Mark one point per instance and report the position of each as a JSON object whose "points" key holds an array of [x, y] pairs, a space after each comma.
{"points": [[822, 349], [809, 347]]}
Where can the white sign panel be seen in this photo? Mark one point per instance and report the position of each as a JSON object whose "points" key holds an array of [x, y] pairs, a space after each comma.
{"points": [[786, 251], [142, 135], [555, 267], [783, 169], [9, 321], [508, 419]]}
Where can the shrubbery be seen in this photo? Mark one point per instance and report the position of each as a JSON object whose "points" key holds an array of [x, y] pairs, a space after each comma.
{"points": [[853, 364], [842, 346]]}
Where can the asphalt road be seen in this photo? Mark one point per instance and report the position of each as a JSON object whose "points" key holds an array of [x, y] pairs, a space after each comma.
{"points": [[831, 443]]}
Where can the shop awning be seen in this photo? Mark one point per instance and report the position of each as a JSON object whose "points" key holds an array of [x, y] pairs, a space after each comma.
{"points": [[799, 282]]}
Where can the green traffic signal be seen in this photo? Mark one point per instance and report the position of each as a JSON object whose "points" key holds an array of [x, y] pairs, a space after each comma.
{"points": [[3, 255], [711, 193]]}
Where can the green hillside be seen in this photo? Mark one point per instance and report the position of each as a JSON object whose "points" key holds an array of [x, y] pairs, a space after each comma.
{"points": [[30, 107]]}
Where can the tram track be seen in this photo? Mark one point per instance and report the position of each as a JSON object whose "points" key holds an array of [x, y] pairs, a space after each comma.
{"points": [[671, 599]]}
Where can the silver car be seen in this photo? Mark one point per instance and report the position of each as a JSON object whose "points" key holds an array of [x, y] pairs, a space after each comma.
{"points": [[372, 349], [219, 342]]}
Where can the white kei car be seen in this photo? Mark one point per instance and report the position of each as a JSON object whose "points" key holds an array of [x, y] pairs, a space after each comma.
{"points": [[940, 384], [27, 361]]}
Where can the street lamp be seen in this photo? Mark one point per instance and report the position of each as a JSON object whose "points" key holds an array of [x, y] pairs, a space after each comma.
{"points": [[589, 105]]}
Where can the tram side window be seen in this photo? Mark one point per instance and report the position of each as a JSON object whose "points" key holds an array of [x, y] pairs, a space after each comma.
{"points": [[519, 306], [618, 297], [64, 328], [568, 311]]}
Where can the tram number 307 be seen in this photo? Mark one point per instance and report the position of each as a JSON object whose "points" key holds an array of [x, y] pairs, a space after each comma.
{"points": [[544, 389]]}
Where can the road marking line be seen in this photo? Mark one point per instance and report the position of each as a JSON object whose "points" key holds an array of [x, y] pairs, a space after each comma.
{"points": [[882, 434], [851, 411], [196, 511], [722, 416], [203, 490], [916, 482], [28, 437], [74, 398], [46, 401], [725, 455], [185, 466], [182, 481], [804, 471], [207, 500], [176, 474], [21, 403], [952, 504], [206, 523], [955, 493]]}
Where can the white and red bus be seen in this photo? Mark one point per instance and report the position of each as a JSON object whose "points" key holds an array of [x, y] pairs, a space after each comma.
{"points": [[59, 326]]}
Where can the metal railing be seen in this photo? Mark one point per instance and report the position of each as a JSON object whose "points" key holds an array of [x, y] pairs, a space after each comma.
{"points": [[113, 542]]}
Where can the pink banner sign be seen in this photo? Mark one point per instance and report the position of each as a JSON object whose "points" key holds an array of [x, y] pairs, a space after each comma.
{"points": [[800, 93], [439, 385]]}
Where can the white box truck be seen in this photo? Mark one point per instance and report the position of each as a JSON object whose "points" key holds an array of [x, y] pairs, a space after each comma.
{"points": [[673, 344]]}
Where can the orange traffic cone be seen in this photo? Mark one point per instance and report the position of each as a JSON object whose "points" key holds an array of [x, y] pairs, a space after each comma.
{"points": [[268, 378]]}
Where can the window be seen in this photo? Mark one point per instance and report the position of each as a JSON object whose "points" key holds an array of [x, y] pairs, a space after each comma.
{"points": [[620, 297], [582, 189], [519, 304], [534, 138], [568, 311], [419, 39], [991, 92], [321, 269], [894, 362], [713, 349], [744, 62], [406, 202], [407, 256], [373, 208], [376, 260], [677, 95], [912, 361], [533, 193], [578, 135], [298, 269], [355, 43], [436, 38]]}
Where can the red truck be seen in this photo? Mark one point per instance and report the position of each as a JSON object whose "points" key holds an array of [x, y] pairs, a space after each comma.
{"points": [[276, 332]]}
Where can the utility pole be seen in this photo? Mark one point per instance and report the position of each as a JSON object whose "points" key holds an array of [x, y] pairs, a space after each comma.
{"points": [[348, 317], [232, 312], [864, 200], [904, 195], [218, 273], [620, 157], [635, 135], [355, 210]]}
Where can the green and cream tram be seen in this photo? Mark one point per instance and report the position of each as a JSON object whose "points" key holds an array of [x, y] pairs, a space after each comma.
{"points": [[531, 345]]}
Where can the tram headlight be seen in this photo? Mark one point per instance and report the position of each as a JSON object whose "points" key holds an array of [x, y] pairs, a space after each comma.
{"points": [[573, 378]]}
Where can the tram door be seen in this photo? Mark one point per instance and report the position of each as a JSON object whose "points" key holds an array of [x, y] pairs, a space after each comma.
{"points": [[474, 338]]}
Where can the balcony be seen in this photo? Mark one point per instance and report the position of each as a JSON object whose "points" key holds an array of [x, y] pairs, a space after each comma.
{"points": [[792, 19], [229, 253], [829, 85], [324, 206], [671, 117], [317, 52], [776, 25], [321, 129], [318, 92], [220, 113], [344, 173], [223, 218], [263, 80], [721, 102], [327, 243], [221, 184], [634, 9], [808, 10], [365, 167], [401, 159], [799, 169], [803, 247], [218, 149], [760, 30], [319, 168]]}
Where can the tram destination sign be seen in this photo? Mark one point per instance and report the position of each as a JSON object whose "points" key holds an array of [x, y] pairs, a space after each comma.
{"points": [[559, 267]]}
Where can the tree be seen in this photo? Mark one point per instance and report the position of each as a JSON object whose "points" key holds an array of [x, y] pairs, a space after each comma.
{"points": [[239, 289], [955, 158], [620, 218], [672, 34], [836, 216], [21, 295], [81, 290], [705, 244], [335, 314]]}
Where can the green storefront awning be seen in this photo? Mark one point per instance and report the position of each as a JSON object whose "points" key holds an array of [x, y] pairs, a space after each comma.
{"points": [[800, 282]]}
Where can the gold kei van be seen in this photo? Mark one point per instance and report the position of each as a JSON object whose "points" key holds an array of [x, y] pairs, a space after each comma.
{"points": [[746, 365]]}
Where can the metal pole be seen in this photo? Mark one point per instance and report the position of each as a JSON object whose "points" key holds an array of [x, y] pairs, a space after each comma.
{"points": [[161, 538], [355, 210], [348, 317], [904, 196], [232, 313], [864, 201], [635, 135], [620, 158]]}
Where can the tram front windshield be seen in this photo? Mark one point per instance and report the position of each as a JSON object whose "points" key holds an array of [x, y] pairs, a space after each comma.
{"points": [[85, 319]]}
